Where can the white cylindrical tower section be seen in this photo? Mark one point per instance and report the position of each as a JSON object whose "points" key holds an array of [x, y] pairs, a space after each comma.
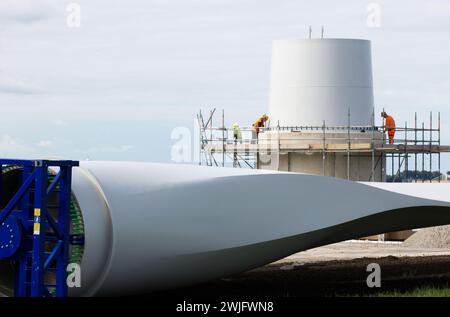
{"points": [[321, 79]]}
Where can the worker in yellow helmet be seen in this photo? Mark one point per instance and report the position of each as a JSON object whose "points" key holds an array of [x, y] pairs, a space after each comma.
{"points": [[258, 125]]}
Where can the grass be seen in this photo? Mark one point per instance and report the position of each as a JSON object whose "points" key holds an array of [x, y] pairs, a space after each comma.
{"points": [[5, 291], [424, 291]]}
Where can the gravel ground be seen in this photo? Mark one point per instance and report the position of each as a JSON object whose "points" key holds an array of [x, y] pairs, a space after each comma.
{"points": [[356, 249], [334, 270], [434, 237]]}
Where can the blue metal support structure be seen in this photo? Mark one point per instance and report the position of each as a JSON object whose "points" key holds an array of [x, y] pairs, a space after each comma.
{"points": [[35, 239]]}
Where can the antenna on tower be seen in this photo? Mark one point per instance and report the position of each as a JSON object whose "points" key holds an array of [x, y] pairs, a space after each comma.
{"points": [[322, 30], [310, 32]]}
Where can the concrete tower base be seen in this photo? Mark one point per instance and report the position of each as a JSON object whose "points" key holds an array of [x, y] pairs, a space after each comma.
{"points": [[303, 152]]}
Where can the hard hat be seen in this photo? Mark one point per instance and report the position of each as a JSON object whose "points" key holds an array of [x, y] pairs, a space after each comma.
{"points": [[265, 117]]}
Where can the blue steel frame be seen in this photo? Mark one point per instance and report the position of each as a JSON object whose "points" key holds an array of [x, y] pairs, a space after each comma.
{"points": [[45, 241]]}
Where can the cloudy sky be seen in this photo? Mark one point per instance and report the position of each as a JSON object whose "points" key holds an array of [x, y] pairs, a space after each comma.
{"points": [[115, 87]]}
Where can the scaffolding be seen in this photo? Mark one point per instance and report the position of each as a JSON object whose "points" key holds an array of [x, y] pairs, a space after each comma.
{"points": [[414, 146]]}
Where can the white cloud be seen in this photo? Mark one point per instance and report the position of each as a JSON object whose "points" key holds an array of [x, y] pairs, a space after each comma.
{"points": [[45, 144], [12, 85], [14, 147], [107, 149], [25, 11], [59, 122], [7, 141]]}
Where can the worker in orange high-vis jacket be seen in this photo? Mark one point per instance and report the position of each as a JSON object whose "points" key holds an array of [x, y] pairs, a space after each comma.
{"points": [[258, 126], [389, 126]]}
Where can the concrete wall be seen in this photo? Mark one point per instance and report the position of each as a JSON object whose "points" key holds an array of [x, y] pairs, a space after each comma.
{"points": [[335, 164], [291, 159]]}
